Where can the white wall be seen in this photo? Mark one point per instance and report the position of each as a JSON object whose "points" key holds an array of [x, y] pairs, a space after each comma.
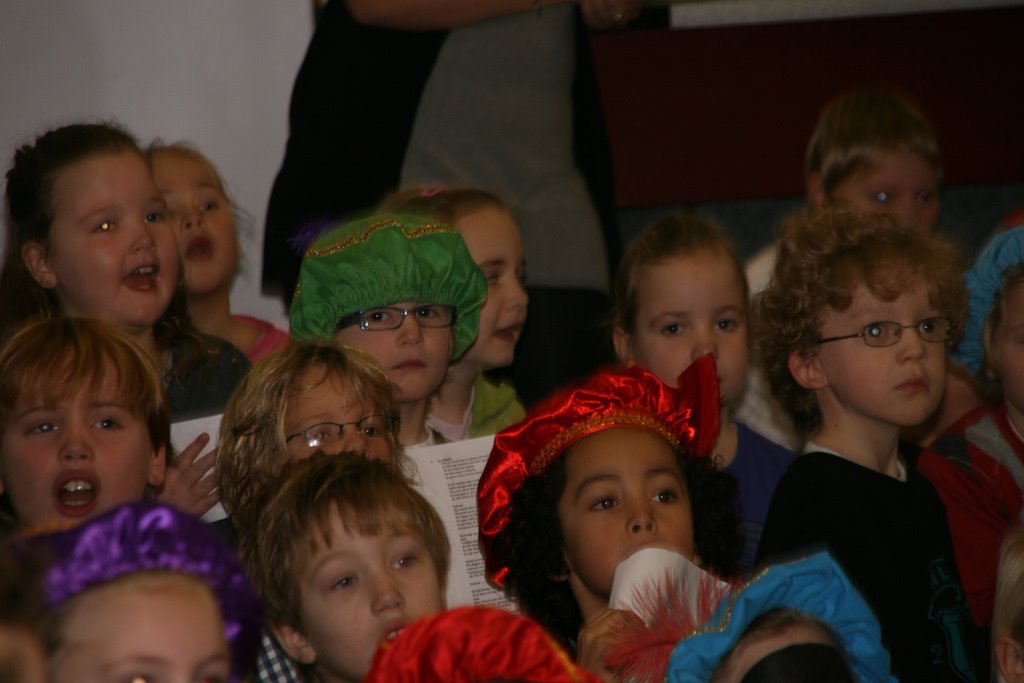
{"points": [[217, 73]]}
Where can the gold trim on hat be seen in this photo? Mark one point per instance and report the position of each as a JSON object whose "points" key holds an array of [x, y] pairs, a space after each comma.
{"points": [[569, 436], [410, 233]]}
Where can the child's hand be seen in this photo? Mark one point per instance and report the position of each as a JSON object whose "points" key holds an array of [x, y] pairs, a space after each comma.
{"points": [[185, 486], [595, 636]]}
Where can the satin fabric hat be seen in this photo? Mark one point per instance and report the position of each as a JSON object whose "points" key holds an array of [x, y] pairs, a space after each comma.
{"points": [[612, 397], [383, 260]]}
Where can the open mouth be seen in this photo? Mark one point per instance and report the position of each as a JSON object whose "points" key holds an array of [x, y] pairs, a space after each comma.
{"points": [[142, 278], [76, 493], [199, 247], [510, 333]]}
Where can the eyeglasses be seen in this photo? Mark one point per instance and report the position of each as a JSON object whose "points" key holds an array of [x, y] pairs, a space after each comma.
{"points": [[391, 317], [887, 332], [326, 433]]}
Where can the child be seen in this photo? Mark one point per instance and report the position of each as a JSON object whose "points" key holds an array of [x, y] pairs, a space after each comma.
{"points": [[469, 403], [853, 331], [565, 462], [1008, 618], [403, 289], [84, 424], [203, 217], [87, 237], [798, 622], [306, 397], [145, 592], [345, 554], [976, 464], [680, 294]]}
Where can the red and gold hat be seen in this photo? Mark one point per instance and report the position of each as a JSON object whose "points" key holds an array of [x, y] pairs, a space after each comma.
{"points": [[473, 644], [611, 397]]}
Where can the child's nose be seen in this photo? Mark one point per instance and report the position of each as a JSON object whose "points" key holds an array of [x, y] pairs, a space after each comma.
{"points": [[641, 521], [704, 344], [387, 595], [191, 218], [75, 446], [410, 332]]}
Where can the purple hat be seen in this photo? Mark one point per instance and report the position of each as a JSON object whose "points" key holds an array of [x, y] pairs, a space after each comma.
{"points": [[148, 536]]}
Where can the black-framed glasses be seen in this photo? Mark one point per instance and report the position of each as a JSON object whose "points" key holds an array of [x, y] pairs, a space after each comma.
{"points": [[391, 317], [326, 433], [887, 332]]}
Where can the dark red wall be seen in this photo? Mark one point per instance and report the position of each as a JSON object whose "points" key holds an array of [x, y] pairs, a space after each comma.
{"points": [[724, 113]]}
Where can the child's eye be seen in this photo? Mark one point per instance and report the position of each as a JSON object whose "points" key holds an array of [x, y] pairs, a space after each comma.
{"points": [[727, 324], [605, 503], [666, 496], [672, 329], [105, 226], [42, 428], [406, 562], [108, 423], [881, 197], [343, 583], [208, 206], [155, 217], [924, 197]]}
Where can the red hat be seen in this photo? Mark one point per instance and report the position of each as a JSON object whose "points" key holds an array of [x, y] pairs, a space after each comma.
{"points": [[611, 397], [474, 644]]}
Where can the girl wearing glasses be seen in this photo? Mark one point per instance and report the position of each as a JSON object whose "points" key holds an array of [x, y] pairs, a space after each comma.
{"points": [[403, 289], [853, 331]]}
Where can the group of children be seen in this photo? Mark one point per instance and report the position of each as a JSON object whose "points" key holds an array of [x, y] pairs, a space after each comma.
{"points": [[121, 261]]}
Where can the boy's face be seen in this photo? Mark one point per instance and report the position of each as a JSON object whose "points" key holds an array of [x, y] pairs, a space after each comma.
{"points": [[866, 388], [354, 594], [1004, 349], [414, 357], [688, 307], [900, 182], [64, 463], [623, 491], [495, 245], [326, 401], [152, 628]]}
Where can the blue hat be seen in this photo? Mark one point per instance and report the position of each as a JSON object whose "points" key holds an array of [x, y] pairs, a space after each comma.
{"points": [[816, 586], [1003, 252]]}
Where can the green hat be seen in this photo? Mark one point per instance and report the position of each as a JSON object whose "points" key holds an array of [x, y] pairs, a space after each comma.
{"points": [[382, 260]]}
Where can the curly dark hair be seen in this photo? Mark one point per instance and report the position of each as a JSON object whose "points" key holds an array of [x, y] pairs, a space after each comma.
{"points": [[824, 256], [534, 542]]}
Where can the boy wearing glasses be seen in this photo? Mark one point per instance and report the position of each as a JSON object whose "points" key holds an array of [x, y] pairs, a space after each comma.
{"points": [[403, 289], [853, 330]]}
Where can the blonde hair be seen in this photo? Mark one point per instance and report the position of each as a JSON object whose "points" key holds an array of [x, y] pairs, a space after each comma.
{"points": [[295, 519], [854, 127], [252, 445], [671, 237], [445, 204], [1008, 613], [824, 256]]}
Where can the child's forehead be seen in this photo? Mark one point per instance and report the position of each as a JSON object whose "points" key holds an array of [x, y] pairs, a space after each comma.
{"points": [[621, 451]]}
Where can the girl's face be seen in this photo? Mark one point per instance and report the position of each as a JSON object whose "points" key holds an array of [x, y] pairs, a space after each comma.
{"points": [[1004, 349], [900, 182], [110, 252], [323, 399], [204, 224], [63, 463], [152, 627], [623, 491], [414, 357], [687, 307], [492, 237]]}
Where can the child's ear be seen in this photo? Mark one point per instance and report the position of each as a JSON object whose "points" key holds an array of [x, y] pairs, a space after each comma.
{"points": [[1009, 659], [623, 349], [806, 370], [158, 468], [34, 256], [294, 643], [815, 189]]}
